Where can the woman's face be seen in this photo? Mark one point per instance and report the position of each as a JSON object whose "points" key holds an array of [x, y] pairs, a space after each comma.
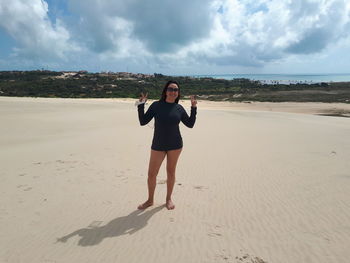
{"points": [[172, 92]]}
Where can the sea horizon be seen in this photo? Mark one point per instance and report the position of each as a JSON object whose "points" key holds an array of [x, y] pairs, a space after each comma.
{"points": [[283, 78]]}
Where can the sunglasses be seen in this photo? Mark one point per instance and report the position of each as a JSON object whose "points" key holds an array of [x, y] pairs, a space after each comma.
{"points": [[173, 89]]}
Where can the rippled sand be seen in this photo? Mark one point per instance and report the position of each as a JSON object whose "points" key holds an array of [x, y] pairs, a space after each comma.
{"points": [[256, 182]]}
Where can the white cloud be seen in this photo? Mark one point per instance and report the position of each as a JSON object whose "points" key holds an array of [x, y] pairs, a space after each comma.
{"points": [[28, 24], [272, 30], [160, 26], [177, 35]]}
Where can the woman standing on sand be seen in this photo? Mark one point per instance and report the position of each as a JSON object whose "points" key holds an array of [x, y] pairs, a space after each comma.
{"points": [[167, 140]]}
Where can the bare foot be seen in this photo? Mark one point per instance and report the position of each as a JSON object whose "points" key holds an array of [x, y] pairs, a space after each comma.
{"points": [[145, 205], [170, 205]]}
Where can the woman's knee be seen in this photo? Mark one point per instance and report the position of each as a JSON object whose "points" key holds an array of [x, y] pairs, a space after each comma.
{"points": [[152, 173], [170, 171]]}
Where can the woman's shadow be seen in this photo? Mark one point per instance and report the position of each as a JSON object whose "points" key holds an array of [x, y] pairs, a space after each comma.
{"points": [[93, 235]]}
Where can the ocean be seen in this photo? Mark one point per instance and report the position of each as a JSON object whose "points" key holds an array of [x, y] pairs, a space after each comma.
{"points": [[284, 78]]}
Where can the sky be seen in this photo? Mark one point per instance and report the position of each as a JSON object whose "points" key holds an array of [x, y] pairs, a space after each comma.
{"points": [[177, 37]]}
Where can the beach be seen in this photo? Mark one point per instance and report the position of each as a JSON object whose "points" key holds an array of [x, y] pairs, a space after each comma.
{"points": [[256, 182]]}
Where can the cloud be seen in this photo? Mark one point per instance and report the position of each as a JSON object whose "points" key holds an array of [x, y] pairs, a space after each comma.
{"points": [[255, 33], [172, 35], [320, 25], [36, 37], [312, 41], [160, 26]]}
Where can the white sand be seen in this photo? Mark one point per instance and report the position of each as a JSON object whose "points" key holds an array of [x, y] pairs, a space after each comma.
{"points": [[251, 184]]}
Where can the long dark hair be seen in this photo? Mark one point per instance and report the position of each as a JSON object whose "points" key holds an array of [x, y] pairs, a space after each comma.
{"points": [[163, 97]]}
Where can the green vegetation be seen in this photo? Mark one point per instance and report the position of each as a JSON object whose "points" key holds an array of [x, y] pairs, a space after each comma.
{"points": [[127, 85]]}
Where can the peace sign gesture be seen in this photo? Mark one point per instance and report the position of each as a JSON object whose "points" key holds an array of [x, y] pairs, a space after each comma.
{"points": [[193, 101], [143, 97]]}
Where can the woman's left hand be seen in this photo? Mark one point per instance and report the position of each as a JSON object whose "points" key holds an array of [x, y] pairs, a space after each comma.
{"points": [[193, 101]]}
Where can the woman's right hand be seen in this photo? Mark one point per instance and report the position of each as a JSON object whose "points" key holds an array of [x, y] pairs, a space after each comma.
{"points": [[143, 97]]}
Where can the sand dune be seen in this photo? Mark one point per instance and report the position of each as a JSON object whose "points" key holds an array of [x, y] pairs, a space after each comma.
{"points": [[255, 183]]}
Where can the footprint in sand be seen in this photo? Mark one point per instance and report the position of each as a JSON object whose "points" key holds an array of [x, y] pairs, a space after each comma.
{"points": [[224, 256], [62, 161], [24, 185], [246, 258], [215, 232], [119, 174], [199, 187], [161, 181]]}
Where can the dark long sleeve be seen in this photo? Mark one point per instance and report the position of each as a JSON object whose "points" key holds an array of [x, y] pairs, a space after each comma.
{"points": [[189, 121], [145, 118]]}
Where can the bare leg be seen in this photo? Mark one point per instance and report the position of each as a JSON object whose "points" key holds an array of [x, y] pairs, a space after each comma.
{"points": [[155, 162], [172, 158]]}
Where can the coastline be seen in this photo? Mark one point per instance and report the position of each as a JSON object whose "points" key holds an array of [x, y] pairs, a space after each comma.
{"points": [[51, 84], [285, 78]]}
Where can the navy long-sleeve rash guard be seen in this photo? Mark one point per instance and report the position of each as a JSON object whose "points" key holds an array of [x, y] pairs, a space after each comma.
{"points": [[167, 118]]}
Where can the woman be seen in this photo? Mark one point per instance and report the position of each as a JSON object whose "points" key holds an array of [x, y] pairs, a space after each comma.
{"points": [[167, 139]]}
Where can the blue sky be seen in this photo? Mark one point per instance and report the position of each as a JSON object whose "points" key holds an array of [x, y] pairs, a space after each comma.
{"points": [[176, 37]]}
